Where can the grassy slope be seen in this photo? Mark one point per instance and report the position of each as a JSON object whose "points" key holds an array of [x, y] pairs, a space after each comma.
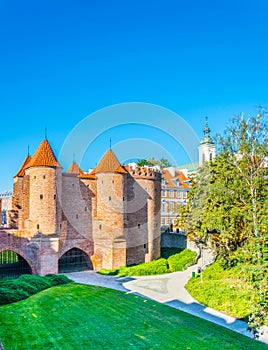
{"points": [[223, 290], [77, 316]]}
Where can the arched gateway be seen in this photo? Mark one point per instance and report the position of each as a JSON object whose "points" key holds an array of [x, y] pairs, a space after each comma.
{"points": [[13, 264], [74, 260]]}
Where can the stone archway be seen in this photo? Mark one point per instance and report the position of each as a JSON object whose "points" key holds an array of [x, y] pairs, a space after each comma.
{"points": [[13, 264], [74, 260]]}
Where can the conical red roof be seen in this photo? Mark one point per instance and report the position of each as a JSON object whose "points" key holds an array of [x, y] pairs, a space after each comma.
{"points": [[44, 156], [75, 169], [109, 164], [21, 172]]}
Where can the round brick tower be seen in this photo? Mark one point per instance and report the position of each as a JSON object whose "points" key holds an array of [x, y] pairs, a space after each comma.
{"points": [[109, 226], [147, 191], [44, 174]]}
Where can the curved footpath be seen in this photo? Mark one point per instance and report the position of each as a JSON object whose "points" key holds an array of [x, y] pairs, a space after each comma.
{"points": [[169, 290]]}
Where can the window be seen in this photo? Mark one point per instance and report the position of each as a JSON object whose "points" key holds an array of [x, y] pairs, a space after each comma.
{"points": [[171, 193], [164, 193], [164, 206], [178, 194], [110, 198], [85, 208], [184, 194], [54, 196], [139, 225], [100, 227], [171, 206], [37, 226], [41, 196], [44, 176], [76, 216]]}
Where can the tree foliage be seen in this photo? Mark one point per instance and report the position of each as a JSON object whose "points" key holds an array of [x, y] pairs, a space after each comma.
{"points": [[229, 197], [162, 163]]}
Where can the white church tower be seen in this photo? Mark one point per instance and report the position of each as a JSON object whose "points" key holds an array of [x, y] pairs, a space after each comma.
{"points": [[207, 148]]}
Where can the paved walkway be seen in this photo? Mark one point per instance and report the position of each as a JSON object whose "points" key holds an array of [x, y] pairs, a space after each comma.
{"points": [[168, 289]]}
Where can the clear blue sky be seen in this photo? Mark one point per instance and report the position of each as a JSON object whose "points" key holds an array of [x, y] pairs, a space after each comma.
{"points": [[63, 60]]}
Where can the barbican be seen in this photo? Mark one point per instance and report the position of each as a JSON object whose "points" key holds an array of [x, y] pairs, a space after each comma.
{"points": [[70, 221]]}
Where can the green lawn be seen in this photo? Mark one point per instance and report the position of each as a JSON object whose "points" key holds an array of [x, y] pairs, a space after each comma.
{"points": [[75, 316], [223, 290]]}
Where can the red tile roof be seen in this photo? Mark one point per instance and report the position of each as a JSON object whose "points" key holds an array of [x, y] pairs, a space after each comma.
{"points": [[21, 172], [178, 176], [87, 176], [109, 164], [44, 156]]}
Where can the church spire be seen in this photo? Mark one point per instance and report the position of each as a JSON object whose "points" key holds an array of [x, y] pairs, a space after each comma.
{"points": [[207, 139], [207, 147]]}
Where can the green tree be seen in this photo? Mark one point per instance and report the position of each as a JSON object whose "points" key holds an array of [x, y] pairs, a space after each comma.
{"points": [[142, 162], [163, 162], [228, 197]]}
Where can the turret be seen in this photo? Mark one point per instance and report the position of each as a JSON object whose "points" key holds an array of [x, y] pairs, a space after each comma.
{"points": [[44, 176], [109, 226]]}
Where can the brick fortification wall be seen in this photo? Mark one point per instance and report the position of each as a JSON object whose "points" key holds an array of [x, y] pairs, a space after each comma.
{"points": [[112, 214]]}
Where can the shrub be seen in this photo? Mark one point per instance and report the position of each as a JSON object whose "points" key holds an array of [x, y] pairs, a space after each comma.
{"points": [[56, 280], [8, 295], [39, 282], [181, 261], [12, 290], [177, 262], [17, 285], [156, 267], [113, 272]]}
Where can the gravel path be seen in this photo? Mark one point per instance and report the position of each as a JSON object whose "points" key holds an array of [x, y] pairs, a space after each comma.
{"points": [[168, 289]]}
